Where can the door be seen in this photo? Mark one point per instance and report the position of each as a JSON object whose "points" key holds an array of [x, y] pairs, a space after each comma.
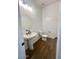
{"points": [[21, 49]]}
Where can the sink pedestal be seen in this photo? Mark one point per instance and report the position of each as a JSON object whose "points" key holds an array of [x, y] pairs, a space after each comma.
{"points": [[30, 45], [29, 40]]}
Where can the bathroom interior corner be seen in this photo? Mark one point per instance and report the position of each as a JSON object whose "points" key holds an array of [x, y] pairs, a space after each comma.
{"points": [[40, 20]]}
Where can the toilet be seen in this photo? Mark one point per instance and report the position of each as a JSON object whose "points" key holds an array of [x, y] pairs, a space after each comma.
{"points": [[44, 37]]}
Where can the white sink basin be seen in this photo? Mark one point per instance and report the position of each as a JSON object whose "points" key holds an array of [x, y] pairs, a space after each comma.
{"points": [[29, 36]]}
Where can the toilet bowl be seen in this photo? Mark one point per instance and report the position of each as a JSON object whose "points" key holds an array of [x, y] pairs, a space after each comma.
{"points": [[44, 37]]}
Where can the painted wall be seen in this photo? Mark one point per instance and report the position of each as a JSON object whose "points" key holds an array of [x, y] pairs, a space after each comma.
{"points": [[32, 19], [50, 18]]}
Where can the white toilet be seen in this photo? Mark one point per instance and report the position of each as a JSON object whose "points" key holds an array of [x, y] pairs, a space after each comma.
{"points": [[44, 37]]}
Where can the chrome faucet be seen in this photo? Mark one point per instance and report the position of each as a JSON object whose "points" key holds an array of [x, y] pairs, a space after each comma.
{"points": [[28, 31]]}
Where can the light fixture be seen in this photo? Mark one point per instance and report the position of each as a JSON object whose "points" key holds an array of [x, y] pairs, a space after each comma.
{"points": [[25, 6]]}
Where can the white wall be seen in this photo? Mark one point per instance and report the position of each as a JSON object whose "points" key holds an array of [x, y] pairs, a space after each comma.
{"points": [[50, 18], [26, 23], [45, 19], [32, 19]]}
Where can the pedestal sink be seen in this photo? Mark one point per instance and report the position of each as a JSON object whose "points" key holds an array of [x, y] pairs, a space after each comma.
{"points": [[29, 40]]}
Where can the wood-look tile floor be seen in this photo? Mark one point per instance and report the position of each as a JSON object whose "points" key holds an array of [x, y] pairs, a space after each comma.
{"points": [[43, 50]]}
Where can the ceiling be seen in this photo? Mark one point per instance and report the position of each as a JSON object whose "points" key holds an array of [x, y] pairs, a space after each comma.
{"points": [[45, 2]]}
